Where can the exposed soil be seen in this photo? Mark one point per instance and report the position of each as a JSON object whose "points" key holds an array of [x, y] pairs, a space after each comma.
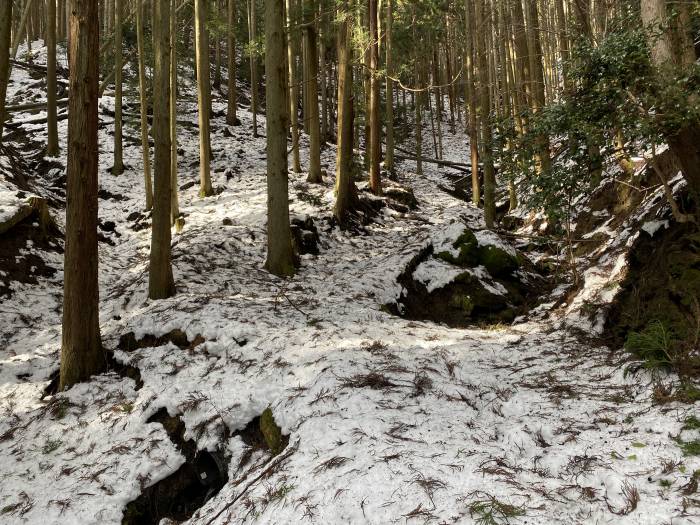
{"points": [[662, 285]]}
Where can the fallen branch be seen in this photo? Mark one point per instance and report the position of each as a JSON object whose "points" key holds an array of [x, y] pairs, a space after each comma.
{"points": [[37, 120], [270, 468], [465, 168], [35, 105]]}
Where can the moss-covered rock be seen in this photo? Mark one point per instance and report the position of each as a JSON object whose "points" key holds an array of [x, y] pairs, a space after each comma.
{"points": [[271, 432], [468, 248], [497, 261]]}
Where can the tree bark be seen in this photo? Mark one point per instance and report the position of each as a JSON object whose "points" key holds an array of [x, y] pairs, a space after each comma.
{"points": [[81, 348], [472, 102], [174, 204], [52, 130], [344, 185], [252, 36], [118, 167], [375, 144], [280, 253], [5, 41], [203, 94], [231, 117], [160, 275], [314, 124], [293, 87], [144, 106], [389, 109], [482, 22]]}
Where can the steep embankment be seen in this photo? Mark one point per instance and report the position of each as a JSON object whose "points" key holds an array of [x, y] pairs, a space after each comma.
{"points": [[387, 419]]}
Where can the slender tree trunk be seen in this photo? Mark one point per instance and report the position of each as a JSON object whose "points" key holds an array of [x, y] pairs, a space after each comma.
{"points": [[217, 51], [81, 348], [344, 185], [5, 41], [21, 28], [375, 144], [144, 106], [293, 86], [418, 103], [160, 275], [389, 110], [174, 204], [252, 36], [118, 167], [472, 103], [280, 254], [52, 144], [323, 73], [482, 22], [314, 125], [542, 158], [231, 116], [203, 94]]}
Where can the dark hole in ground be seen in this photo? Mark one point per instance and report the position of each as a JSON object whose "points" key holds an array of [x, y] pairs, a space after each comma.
{"points": [[112, 364], [129, 343], [19, 254], [179, 495], [253, 437]]}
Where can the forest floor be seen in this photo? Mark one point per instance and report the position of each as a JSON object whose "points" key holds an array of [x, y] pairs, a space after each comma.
{"points": [[388, 420]]}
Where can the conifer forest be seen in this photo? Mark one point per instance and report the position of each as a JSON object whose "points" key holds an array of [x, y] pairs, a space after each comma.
{"points": [[350, 262]]}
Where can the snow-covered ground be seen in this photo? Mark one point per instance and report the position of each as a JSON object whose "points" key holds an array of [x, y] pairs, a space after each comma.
{"points": [[389, 420]]}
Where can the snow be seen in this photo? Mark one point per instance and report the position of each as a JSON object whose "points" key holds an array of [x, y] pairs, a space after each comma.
{"points": [[528, 413], [652, 227], [435, 273], [444, 239], [489, 238]]}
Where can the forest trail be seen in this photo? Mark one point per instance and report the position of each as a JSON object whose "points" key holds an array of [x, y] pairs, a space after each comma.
{"points": [[388, 420]]}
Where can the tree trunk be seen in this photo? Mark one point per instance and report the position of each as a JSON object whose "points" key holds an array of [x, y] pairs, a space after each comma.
{"points": [[118, 167], [671, 51], [21, 28], [389, 161], [252, 36], [217, 51], [280, 253], [472, 103], [5, 41], [293, 86], [160, 275], [542, 160], [81, 349], [52, 131], [231, 116], [144, 106], [174, 204], [375, 144], [482, 22], [344, 185], [314, 124], [203, 94]]}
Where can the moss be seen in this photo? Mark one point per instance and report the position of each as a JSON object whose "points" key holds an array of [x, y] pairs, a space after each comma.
{"points": [[688, 286], [497, 261], [463, 302], [271, 432], [468, 251]]}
